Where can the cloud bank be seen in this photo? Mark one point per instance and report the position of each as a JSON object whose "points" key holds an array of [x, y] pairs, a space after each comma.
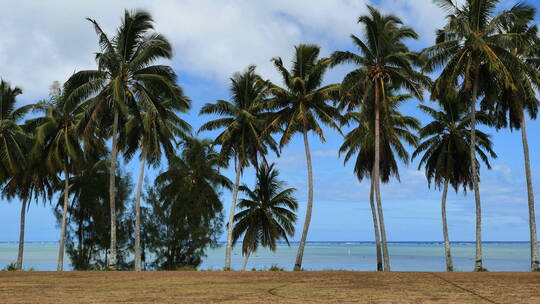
{"points": [[43, 41]]}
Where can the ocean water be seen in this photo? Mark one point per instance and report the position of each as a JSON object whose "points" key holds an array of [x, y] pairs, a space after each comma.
{"points": [[404, 256]]}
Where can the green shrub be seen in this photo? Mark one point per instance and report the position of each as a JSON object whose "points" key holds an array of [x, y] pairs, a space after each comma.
{"points": [[275, 267], [10, 267], [13, 267]]}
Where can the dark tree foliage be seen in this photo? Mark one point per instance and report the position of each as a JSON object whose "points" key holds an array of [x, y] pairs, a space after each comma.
{"points": [[88, 227], [185, 215], [267, 213]]}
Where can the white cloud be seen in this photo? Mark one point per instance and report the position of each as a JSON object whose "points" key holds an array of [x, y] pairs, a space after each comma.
{"points": [[422, 15], [43, 41]]}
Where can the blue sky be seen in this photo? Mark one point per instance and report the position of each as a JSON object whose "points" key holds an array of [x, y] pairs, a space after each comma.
{"points": [[42, 42]]}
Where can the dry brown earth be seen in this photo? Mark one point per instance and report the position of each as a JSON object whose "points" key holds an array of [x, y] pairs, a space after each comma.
{"points": [[268, 287]]}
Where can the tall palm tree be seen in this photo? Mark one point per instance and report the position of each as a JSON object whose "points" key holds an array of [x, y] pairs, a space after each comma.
{"points": [[383, 60], [15, 144], [243, 120], [154, 130], [126, 76], [395, 129], [471, 50], [301, 106], [510, 108], [445, 154], [57, 137], [267, 215]]}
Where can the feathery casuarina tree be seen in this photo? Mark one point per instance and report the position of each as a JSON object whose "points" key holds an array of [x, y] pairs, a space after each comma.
{"points": [[445, 153], [267, 213], [472, 50], [185, 215], [300, 106], [87, 231], [383, 61], [243, 120], [126, 76]]}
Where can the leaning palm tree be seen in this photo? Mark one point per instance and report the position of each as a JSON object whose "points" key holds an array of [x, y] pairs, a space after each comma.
{"points": [[384, 60], [154, 130], [395, 129], [472, 51], [57, 138], [267, 215], [445, 155], [511, 107], [126, 76], [244, 120], [301, 106]]}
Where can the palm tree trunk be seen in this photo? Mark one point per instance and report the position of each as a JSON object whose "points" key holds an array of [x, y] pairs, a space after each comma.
{"points": [[478, 259], [301, 246], [246, 257], [448, 255], [231, 216], [386, 258], [375, 227], [21, 236], [60, 265], [112, 192], [138, 214], [535, 264]]}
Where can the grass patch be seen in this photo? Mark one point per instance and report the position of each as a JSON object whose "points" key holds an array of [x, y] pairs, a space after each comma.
{"points": [[186, 268]]}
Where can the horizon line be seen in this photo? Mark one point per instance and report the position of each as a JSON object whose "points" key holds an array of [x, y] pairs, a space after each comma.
{"points": [[296, 242]]}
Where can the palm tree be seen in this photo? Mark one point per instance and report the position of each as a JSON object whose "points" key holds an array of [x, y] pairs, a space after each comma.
{"points": [[384, 60], [395, 129], [471, 49], [445, 153], [12, 136], [509, 109], [244, 120], [267, 215], [15, 143], [153, 130], [57, 137], [34, 182], [301, 106], [126, 76]]}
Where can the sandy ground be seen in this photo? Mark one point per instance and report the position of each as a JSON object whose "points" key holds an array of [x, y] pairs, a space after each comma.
{"points": [[268, 287]]}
